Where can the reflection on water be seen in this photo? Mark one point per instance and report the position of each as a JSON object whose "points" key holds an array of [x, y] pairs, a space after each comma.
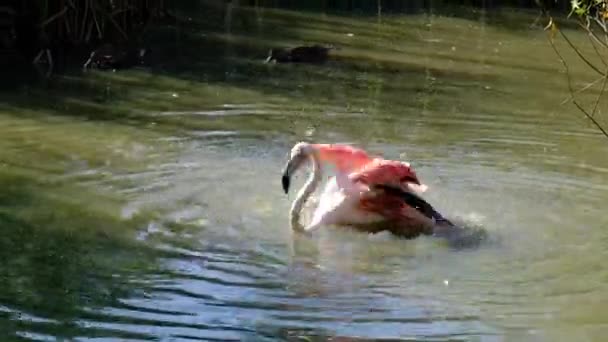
{"points": [[146, 204]]}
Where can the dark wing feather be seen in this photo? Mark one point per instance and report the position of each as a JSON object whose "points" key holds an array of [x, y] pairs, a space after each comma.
{"points": [[414, 201]]}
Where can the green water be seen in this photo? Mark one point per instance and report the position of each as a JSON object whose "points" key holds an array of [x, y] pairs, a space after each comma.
{"points": [[146, 204]]}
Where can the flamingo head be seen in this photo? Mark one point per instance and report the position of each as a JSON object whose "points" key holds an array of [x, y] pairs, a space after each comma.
{"points": [[299, 153]]}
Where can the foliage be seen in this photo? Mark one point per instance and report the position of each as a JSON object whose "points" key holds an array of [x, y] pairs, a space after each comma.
{"points": [[59, 23], [589, 8]]}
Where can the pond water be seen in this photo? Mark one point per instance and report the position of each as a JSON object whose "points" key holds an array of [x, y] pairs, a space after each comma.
{"points": [[146, 204]]}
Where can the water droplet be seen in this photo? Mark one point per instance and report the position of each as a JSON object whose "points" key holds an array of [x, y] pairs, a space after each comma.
{"points": [[310, 132], [201, 222]]}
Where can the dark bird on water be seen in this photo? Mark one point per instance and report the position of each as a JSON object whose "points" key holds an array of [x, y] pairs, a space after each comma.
{"points": [[315, 54], [109, 57]]}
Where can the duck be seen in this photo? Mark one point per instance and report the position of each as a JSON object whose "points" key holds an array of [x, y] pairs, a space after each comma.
{"points": [[315, 54], [110, 57]]}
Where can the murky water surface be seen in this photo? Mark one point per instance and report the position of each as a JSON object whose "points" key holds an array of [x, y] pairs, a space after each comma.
{"points": [[146, 204]]}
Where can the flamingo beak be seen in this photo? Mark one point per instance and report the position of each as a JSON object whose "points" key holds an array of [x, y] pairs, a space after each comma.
{"points": [[288, 170], [285, 180], [293, 164], [286, 177]]}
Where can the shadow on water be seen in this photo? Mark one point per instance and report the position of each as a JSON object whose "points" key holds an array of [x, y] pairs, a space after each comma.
{"points": [[205, 50], [58, 260], [364, 73], [318, 335], [464, 236], [234, 62]]}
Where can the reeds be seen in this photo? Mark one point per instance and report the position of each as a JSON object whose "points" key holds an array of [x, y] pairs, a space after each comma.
{"points": [[84, 21]]}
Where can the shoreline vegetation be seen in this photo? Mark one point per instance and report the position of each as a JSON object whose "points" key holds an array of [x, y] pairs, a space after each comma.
{"points": [[53, 36], [47, 32]]}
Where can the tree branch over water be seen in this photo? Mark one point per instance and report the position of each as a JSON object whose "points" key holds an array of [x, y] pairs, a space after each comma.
{"points": [[588, 12]]}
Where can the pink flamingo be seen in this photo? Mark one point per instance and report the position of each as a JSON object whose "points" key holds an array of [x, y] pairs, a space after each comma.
{"points": [[368, 193]]}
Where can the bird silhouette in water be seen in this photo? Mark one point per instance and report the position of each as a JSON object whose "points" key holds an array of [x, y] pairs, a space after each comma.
{"points": [[110, 57], [315, 54]]}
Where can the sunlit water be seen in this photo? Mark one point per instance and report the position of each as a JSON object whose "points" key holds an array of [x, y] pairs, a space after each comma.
{"points": [[146, 205]]}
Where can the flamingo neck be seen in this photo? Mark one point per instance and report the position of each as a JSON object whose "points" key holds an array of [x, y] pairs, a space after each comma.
{"points": [[309, 187]]}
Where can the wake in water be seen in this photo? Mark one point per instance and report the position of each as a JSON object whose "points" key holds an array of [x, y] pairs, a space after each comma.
{"points": [[459, 235]]}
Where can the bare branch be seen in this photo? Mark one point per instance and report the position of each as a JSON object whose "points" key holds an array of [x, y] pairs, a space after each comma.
{"points": [[569, 82], [54, 16], [599, 96], [595, 37], [581, 90], [597, 52], [591, 65]]}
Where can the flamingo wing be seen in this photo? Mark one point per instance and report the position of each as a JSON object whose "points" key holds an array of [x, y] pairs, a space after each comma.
{"points": [[363, 168], [392, 186], [415, 202], [389, 172], [398, 214]]}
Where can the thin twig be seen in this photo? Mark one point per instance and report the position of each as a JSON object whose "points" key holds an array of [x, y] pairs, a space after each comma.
{"points": [[67, 26], [99, 33], [116, 25], [71, 3], [591, 118], [601, 24], [593, 37], [83, 27], [579, 53], [597, 52], [597, 101], [87, 37], [593, 34], [53, 17], [581, 90]]}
